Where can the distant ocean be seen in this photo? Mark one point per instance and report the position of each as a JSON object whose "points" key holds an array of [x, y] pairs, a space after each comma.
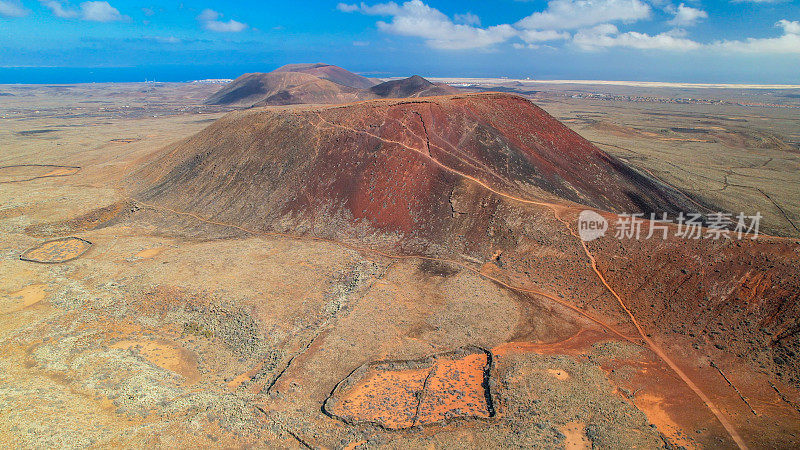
{"points": [[182, 73], [69, 75]]}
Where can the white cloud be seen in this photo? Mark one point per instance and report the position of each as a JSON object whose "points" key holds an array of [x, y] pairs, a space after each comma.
{"points": [[541, 36], [12, 8], [788, 43], [593, 21], [467, 19], [414, 18], [381, 9], [607, 35], [100, 12], [571, 14], [208, 15], [344, 7], [58, 9], [687, 16], [95, 11], [789, 27], [210, 20]]}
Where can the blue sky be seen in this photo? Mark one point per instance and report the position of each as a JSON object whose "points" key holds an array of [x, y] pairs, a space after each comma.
{"points": [[659, 40]]}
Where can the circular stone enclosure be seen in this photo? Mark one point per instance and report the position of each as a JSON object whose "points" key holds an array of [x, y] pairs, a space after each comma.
{"points": [[57, 250]]}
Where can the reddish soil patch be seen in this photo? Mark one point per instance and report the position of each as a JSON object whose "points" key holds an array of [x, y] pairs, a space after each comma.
{"points": [[393, 165], [57, 251], [403, 394], [166, 355], [25, 297], [574, 345]]}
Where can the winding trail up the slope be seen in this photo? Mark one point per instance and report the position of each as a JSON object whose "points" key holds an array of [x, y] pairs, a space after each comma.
{"points": [[356, 248], [656, 349], [557, 210]]}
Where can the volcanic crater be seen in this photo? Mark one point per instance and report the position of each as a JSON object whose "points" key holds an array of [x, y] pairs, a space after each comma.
{"points": [[401, 167], [490, 183], [455, 218]]}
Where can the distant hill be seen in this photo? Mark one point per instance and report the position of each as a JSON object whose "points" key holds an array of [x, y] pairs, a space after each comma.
{"points": [[282, 88], [414, 86], [318, 91], [318, 84], [394, 164], [331, 73]]}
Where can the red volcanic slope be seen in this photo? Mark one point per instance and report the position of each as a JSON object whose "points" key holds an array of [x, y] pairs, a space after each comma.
{"points": [[392, 166], [449, 177], [414, 86], [317, 84], [282, 88], [331, 73]]}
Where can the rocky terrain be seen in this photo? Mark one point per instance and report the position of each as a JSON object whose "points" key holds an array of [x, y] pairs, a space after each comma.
{"points": [[419, 167], [297, 84], [414, 86], [392, 273], [282, 88], [331, 73]]}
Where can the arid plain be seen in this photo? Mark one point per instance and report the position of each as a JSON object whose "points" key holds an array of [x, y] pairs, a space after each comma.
{"points": [[181, 326]]}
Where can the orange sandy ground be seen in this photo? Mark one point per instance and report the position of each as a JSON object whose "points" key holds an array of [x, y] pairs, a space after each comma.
{"points": [[399, 399], [58, 250]]}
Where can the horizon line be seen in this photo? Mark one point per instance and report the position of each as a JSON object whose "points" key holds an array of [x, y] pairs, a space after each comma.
{"points": [[662, 84]]}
